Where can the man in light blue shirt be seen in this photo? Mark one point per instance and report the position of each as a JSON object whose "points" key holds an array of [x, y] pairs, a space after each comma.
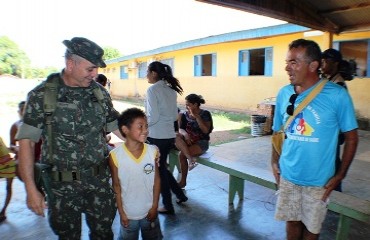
{"points": [[305, 170]]}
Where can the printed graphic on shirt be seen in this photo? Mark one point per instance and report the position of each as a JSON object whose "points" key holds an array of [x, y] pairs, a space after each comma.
{"points": [[301, 130], [148, 168]]}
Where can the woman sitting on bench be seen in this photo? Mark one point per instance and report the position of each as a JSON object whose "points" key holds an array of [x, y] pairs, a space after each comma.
{"points": [[195, 125]]}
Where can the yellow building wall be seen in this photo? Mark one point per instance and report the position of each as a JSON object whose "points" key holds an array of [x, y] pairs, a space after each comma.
{"points": [[228, 90]]}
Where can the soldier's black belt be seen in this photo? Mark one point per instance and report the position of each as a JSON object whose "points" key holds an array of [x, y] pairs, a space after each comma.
{"points": [[68, 176]]}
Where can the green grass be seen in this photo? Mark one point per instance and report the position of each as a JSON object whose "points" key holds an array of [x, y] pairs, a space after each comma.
{"points": [[238, 123], [243, 130]]}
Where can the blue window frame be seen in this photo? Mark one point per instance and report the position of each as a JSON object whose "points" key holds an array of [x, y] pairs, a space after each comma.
{"points": [[255, 62], [169, 62], [143, 67], [205, 65], [123, 72]]}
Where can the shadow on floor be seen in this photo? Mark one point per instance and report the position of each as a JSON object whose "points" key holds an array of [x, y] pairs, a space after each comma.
{"points": [[205, 216]]}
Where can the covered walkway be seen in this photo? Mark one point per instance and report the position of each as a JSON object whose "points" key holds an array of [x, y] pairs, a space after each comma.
{"points": [[207, 215]]}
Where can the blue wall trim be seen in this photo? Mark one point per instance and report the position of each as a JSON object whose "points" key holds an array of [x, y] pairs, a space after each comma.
{"points": [[227, 37]]}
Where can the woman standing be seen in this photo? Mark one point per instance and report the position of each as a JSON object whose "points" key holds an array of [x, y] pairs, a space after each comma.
{"points": [[193, 139], [161, 110]]}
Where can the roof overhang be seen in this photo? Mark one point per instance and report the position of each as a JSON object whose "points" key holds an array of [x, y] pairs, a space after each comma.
{"points": [[329, 16]]}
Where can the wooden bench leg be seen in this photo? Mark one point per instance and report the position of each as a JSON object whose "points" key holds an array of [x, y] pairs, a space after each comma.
{"points": [[343, 227], [236, 185]]}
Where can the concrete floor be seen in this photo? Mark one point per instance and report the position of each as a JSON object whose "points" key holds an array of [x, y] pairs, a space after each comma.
{"points": [[207, 214]]}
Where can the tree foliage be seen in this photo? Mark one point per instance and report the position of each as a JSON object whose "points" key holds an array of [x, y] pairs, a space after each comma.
{"points": [[33, 72], [110, 53], [13, 60]]}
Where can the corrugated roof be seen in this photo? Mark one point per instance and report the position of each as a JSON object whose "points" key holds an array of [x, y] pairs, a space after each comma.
{"points": [[334, 16]]}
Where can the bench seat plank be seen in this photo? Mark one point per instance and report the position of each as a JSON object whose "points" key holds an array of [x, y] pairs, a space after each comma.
{"points": [[350, 206], [244, 171]]}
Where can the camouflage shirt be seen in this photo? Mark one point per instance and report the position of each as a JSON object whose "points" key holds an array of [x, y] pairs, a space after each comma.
{"points": [[79, 123]]}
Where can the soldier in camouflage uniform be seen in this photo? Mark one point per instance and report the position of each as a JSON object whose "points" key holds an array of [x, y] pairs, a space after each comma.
{"points": [[79, 173]]}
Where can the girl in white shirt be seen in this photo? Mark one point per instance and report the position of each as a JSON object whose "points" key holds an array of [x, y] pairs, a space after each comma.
{"points": [[161, 110]]}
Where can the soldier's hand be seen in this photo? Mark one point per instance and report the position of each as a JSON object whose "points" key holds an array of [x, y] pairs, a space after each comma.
{"points": [[36, 202]]}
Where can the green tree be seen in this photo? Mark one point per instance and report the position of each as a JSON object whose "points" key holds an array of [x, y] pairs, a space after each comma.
{"points": [[110, 53], [13, 60]]}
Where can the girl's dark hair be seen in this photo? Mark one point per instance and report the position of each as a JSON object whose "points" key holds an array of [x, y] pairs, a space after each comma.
{"points": [[195, 98], [127, 117], [165, 72]]}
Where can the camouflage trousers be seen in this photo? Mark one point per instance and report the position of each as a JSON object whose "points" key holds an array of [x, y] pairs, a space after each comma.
{"points": [[93, 197]]}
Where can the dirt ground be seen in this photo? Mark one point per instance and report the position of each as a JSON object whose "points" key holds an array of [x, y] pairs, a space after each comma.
{"points": [[219, 137]]}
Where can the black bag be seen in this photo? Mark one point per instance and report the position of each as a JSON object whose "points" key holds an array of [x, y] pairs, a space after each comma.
{"points": [[347, 69], [42, 178]]}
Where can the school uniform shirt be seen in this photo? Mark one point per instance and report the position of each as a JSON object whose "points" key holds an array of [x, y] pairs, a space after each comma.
{"points": [[309, 150], [136, 177]]}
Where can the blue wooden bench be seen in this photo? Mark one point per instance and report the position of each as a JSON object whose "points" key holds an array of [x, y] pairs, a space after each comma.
{"points": [[348, 207]]}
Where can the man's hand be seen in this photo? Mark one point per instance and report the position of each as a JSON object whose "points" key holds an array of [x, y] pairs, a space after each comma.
{"points": [[275, 165], [276, 172], [330, 186], [36, 202]]}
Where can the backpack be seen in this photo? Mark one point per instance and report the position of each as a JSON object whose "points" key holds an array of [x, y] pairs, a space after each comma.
{"points": [[347, 69], [51, 93]]}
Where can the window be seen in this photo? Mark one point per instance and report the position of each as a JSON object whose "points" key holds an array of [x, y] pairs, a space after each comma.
{"points": [[358, 54], [143, 67], [123, 72], [205, 65], [169, 62], [255, 62]]}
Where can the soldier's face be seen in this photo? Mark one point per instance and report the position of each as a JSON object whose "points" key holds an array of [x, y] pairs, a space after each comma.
{"points": [[83, 72]]}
